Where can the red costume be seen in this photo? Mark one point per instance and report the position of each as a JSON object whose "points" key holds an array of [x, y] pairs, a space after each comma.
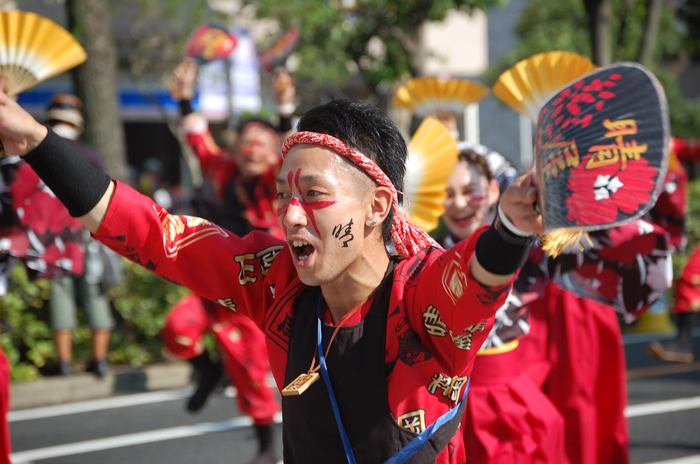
{"points": [[669, 213], [240, 342], [438, 316], [574, 350], [242, 347], [509, 419], [687, 289], [35, 228]]}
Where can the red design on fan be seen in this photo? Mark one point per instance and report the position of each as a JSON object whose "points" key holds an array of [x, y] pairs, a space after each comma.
{"points": [[598, 195], [575, 104]]}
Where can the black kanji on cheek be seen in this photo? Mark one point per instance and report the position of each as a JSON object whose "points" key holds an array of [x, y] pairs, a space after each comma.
{"points": [[344, 233]]}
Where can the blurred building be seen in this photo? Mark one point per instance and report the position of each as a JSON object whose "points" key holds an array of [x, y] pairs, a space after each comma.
{"points": [[463, 46]]}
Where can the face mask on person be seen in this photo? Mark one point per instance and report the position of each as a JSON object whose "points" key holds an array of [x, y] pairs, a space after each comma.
{"points": [[66, 131]]}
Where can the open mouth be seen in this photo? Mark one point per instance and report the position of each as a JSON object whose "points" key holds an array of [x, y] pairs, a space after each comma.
{"points": [[464, 218], [302, 249]]}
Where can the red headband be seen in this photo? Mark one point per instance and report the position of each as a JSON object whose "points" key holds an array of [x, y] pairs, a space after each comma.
{"points": [[408, 238]]}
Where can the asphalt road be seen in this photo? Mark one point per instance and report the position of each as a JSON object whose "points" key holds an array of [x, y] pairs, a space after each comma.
{"points": [[159, 430]]}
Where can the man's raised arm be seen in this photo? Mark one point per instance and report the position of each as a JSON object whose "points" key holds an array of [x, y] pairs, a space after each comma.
{"points": [[83, 189]]}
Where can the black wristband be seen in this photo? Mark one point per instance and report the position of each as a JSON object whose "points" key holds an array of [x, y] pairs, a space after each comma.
{"points": [[74, 181], [498, 255], [186, 107], [285, 124], [508, 235]]}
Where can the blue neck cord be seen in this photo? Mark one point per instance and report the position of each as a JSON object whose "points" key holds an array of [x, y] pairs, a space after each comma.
{"points": [[324, 371], [407, 451]]}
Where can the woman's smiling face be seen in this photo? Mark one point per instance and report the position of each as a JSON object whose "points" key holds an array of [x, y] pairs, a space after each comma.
{"points": [[469, 199]]}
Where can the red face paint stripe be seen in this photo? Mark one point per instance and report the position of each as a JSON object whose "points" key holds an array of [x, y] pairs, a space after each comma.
{"points": [[408, 238], [308, 207]]}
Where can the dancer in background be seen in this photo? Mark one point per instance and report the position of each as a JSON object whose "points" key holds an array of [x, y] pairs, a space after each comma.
{"points": [[669, 213], [239, 194], [508, 417]]}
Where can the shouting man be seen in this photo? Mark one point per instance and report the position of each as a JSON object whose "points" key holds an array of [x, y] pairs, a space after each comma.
{"points": [[394, 337]]}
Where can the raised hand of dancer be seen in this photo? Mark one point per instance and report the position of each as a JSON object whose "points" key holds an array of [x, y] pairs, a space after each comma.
{"points": [[183, 80], [518, 201], [284, 90], [20, 133]]}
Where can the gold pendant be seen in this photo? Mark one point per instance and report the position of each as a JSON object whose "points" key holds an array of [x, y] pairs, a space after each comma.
{"points": [[300, 384]]}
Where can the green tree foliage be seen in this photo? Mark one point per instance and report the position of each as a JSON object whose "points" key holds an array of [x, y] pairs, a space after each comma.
{"points": [[140, 302], [379, 41], [159, 30], [689, 14]]}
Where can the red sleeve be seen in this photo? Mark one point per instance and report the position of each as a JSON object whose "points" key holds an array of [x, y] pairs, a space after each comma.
{"points": [[216, 264], [449, 310], [687, 149], [628, 268], [209, 153]]}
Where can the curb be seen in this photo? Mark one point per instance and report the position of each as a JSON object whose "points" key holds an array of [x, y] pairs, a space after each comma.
{"points": [[49, 391]]}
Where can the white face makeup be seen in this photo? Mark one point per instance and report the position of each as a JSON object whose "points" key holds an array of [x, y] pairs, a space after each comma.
{"points": [[320, 214], [467, 204]]}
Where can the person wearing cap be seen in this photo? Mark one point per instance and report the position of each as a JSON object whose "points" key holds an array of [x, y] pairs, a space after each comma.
{"points": [[64, 117], [372, 351], [238, 194]]}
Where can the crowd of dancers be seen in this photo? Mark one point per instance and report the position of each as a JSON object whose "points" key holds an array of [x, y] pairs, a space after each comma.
{"points": [[471, 346]]}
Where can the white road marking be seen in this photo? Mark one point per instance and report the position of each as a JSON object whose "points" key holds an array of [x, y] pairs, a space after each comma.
{"points": [[101, 444], [686, 460], [106, 403], [660, 407], [24, 457], [97, 405]]}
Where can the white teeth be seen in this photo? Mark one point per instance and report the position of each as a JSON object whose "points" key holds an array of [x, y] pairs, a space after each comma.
{"points": [[299, 243]]}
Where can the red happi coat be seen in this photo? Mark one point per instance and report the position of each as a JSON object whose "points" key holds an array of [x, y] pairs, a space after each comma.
{"points": [[438, 318], [257, 202], [34, 226]]}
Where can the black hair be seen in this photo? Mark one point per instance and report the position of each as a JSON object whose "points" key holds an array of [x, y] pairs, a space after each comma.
{"points": [[364, 128], [247, 121], [478, 161]]}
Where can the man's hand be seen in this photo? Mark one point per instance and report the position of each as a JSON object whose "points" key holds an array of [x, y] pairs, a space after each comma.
{"points": [[517, 202], [283, 88], [184, 79], [20, 133]]}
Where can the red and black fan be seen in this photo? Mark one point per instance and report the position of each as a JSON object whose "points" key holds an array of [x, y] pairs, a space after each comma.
{"points": [[601, 153], [277, 53], [210, 42]]}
